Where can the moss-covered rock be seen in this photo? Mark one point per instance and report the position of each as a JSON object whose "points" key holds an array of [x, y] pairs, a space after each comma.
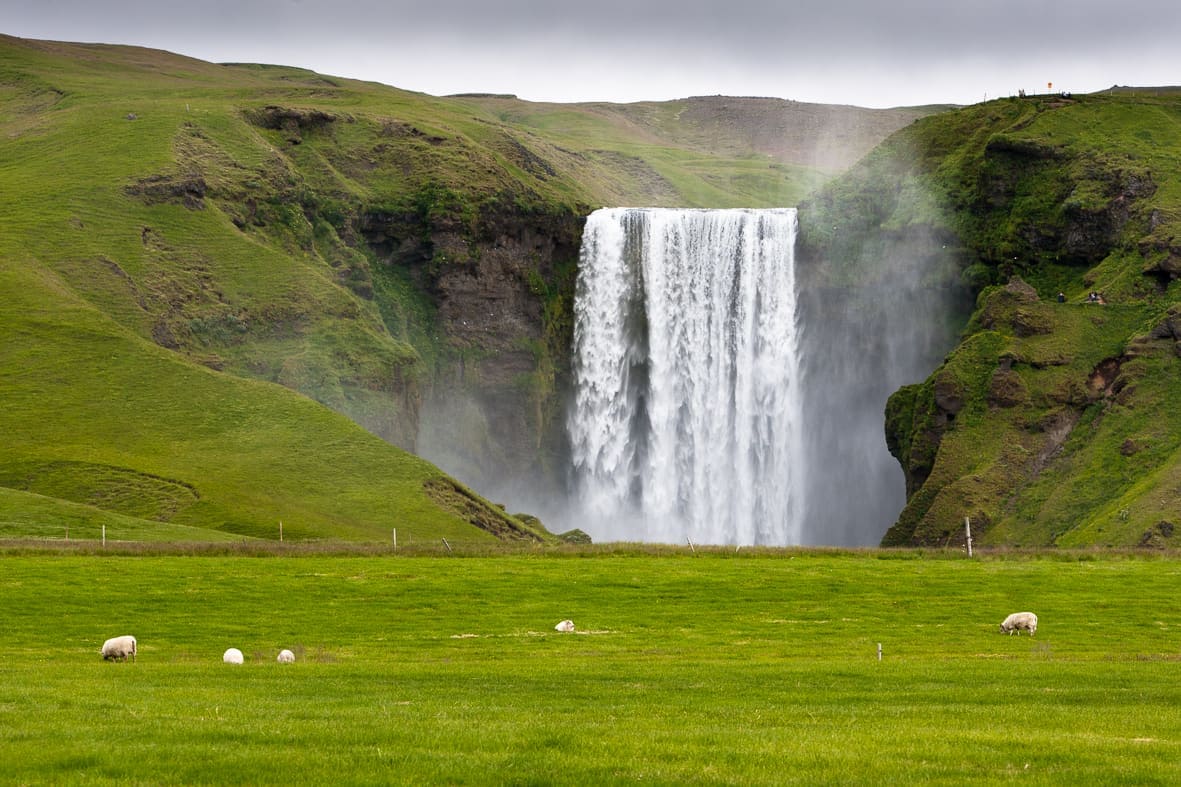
{"points": [[1062, 214]]}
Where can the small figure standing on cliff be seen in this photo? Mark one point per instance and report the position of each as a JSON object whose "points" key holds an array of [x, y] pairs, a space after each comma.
{"points": [[1061, 297]]}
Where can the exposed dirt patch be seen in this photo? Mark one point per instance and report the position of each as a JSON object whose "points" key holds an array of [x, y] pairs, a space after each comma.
{"points": [[1159, 535], [453, 497], [1056, 432], [188, 190], [293, 122], [1102, 379]]}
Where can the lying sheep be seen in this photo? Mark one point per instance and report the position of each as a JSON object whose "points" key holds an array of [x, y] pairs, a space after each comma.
{"points": [[119, 648], [565, 625], [1018, 621], [286, 657], [233, 656]]}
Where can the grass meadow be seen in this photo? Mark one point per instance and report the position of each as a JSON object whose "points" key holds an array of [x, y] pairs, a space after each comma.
{"points": [[710, 667]]}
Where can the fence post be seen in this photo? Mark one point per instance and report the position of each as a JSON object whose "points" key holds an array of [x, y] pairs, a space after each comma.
{"points": [[968, 533]]}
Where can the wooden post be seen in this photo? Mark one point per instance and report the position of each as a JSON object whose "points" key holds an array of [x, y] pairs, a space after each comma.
{"points": [[693, 548], [447, 545], [104, 535], [67, 531], [395, 532], [879, 651], [280, 529], [968, 533]]}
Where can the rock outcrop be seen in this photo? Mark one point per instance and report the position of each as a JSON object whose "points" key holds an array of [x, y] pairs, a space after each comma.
{"points": [[502, 293], [1036, 425]]}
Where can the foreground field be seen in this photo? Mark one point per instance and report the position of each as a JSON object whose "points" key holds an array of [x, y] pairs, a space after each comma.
{"points": [[714, 668]]}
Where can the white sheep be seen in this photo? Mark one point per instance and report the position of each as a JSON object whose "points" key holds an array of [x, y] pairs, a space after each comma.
{"points": [[233, 656], [119, 648], [1018, 621], [565, 625], [286, 657]]}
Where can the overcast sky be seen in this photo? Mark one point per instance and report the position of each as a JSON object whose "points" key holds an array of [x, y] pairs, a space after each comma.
{"points": [[863, 52]]}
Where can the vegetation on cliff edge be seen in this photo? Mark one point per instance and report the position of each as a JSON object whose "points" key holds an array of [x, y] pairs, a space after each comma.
{"points": [[1049, 423]]}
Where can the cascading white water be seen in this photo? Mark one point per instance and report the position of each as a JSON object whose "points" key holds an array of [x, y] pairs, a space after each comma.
{"points": [[687, 417]]}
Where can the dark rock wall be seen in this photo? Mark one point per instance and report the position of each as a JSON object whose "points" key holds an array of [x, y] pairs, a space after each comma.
{"points": [[494, 386]]}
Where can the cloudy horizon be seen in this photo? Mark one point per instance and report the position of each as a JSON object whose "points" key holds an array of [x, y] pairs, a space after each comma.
{"points": [[910, 52]]}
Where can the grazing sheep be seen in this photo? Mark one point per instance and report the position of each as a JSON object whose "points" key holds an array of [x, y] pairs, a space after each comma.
{"points": [[565, 625], [1018, 621], [119, 648], [233, 656], [286, 657]]}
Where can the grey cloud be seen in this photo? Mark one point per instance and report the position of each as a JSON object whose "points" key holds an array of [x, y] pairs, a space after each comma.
{"points": [[741, 46]]}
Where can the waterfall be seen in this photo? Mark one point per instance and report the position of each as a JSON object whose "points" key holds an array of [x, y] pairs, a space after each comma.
{"points": [[687, 416]]}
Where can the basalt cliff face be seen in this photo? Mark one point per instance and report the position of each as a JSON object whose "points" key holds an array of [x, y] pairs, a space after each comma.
{"points": [[500, 294]]}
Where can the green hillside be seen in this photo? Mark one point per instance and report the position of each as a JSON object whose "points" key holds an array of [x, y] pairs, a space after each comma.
{"points": [[131, 299], [1050, 423], [230, 290], [96, 416]]}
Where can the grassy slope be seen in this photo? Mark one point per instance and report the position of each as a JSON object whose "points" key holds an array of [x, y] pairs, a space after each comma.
{"points": [[28, 515], [150, 200], [1071, 196], [716, 151], [95, 415], [98, 414], [715, 668]]}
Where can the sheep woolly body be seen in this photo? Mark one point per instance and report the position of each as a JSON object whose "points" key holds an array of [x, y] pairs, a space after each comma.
{"points": [[286, 657], [1018, 621], [565, 625], [232, 656], [119, 648]]}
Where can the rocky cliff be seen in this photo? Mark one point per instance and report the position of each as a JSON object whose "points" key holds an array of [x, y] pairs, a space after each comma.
{"points": [[1042, 424], [500, 295]]}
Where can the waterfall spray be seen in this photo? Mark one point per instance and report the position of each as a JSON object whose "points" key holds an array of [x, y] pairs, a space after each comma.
{"points": [[687, 416]]}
